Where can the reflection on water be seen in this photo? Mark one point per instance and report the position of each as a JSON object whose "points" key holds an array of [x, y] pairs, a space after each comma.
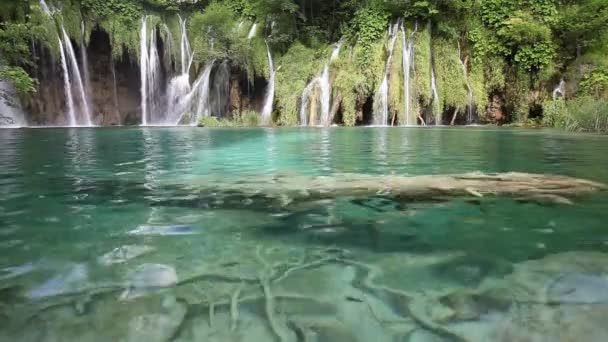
{"points": [[121, 234]]}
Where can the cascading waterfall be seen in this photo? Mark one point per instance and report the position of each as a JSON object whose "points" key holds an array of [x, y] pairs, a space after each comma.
{"points": [[269, 98], [66, 86], [150, 74], [202, 86], [72, 74], [71, 56], [381, 100], [11, 114], [325, 97], [471, 100], [408, 58]]}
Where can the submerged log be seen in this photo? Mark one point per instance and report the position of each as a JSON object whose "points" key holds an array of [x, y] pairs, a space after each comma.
{"points": [[512, 184]]}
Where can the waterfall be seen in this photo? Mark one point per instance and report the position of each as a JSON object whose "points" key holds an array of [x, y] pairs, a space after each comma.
{"points": [[143, 70], [71, 74], [325, 97], [66, 86], [269, 99], [179, 87], [45, 8], [186, 52], [470, 97], [150, 74], [252, 31], [177, 93], [560, 90], [10, 108], [408, 58], [71, 56], [201, 87], [381, 100], [436, 100]]}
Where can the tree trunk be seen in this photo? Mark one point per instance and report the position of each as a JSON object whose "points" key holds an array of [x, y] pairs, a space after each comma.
{"points": [[454, 116], [422, 122]]}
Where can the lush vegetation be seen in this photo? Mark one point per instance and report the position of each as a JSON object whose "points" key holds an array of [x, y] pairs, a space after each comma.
{"points": [[509, 54]]}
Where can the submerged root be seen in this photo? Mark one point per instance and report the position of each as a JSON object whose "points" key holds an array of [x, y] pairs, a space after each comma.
{"points": [[269, 306], [234, 307]]}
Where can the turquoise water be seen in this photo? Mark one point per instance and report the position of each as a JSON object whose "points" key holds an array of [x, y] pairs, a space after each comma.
{"points": [[85, 214]]}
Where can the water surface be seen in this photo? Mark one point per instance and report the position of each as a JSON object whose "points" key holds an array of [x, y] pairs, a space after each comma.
{"points": [[85, 214]]}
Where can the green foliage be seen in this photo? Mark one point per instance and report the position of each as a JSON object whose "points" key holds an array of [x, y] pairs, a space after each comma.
{"points": [[22, 82], [451, 84], [218, 24], [595, 84], [584, 114], [351, 85], [367, 27], [298, 66]]}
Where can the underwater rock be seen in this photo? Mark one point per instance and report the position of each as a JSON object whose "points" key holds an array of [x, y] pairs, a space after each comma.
{"points": [[74, 279], [577, 288], [163, 230], [123, 254], [148, 278]]}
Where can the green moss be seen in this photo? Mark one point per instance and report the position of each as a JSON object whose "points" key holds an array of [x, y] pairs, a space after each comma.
{"points": [[478, 85], [422, 62], [451, 85], [298, 66]]}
